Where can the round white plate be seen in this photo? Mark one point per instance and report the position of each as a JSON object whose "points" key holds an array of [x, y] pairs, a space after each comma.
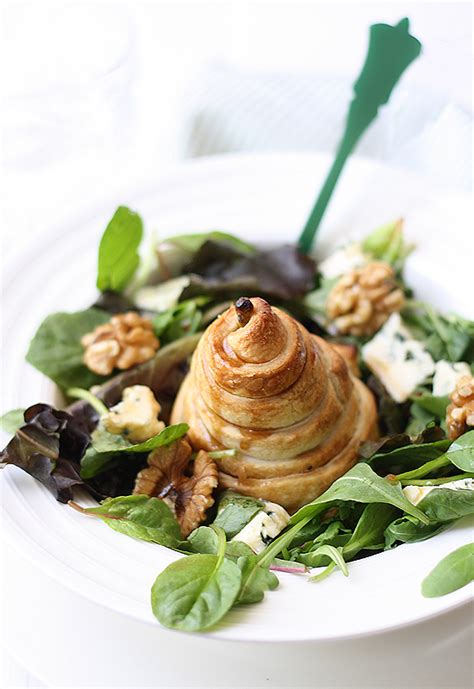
{"points": [[260, 198]]}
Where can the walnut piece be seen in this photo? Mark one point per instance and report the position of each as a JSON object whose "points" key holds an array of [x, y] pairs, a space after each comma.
{"points": [[136, 416], [460, 413], [128, 339], [168, 477], [363, 299]]}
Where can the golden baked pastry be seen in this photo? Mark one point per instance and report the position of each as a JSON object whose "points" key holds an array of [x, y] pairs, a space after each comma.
{"points": [[285, 399]]}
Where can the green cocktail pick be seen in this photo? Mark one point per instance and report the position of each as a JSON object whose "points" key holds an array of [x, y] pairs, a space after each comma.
{"points": [[391, 50]]}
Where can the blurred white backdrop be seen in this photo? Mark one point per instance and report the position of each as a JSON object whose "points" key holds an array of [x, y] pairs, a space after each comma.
{"points": [[101, 97]]}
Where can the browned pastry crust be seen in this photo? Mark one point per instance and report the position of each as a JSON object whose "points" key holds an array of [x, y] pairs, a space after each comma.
{"points": [[282, 397]]}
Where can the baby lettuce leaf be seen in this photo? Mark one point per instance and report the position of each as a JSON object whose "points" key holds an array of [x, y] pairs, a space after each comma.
{"points": [[235, 511], [12, 420], [410, 530], [103, 441], [193, 242], [452, 573], [140, 517], [118, 250], [461, 452], [56, 348], [335, 534], [447, 337], [181, 320], [387, 244], [370, 529], [49, 447], [220, 270], [109, 450], [195, 592], [360, 484], [408, 456]]}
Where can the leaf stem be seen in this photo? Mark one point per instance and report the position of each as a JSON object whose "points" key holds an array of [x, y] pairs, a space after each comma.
{"points": [[88, 397], [435, 481], [325, 573], [425, 469]]}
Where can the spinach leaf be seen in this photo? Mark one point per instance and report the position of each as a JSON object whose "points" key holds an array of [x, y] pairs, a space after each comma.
{"points": [[94, 463], [256, 579], [335, 534], [118, 250], [195, 592], [461, 452], [235, 511], [49, 446], [370, 529], [12, 420], [410, 530], [445, 504], [140, 517], [103, 441], [56, 348], [452, 573], [360, 484]]}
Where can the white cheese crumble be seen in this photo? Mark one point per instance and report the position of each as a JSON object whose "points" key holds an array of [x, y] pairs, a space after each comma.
{"points": [[399, 361], [136, 416], [446, 376], [415, 494], [263, 527], [342, 261]]}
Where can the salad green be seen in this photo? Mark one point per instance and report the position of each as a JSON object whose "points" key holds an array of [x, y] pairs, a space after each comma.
{"points": [[409, 484]]}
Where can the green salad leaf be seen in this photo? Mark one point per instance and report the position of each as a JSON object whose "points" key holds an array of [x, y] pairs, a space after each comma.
{"points": [[410, 530], [360, 484], [140, 517], [461, 452], [445, 505], [370, 529], [103, 441], [235, 511], [386, 243], [452, 573], [195, 592], [12, 420], [118, 250], [56, 348]]}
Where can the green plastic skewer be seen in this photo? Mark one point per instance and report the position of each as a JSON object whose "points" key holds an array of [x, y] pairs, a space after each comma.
{"points": [[391, 50]]}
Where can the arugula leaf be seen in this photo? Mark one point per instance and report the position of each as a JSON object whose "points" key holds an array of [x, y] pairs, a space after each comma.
{"points": [[183, 319], [335, 534], [335, 555], [370, 529], [461, 452], [103, 441], [195, 592], [235, 511], [118, 250], [410, 530], [360, 484], [140, 517], [452, 573], [56, 348], [12, 420], [447, 337]]}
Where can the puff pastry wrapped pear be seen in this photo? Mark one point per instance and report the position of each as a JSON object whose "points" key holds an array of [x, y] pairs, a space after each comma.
{"points": [[284, 399]]}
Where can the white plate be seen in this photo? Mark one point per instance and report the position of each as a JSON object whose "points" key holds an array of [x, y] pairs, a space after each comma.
{"points": [[260, 198]]}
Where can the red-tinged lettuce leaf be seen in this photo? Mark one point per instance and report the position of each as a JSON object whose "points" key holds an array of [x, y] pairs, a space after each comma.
{"points": [[49, 447], [222, 270]]}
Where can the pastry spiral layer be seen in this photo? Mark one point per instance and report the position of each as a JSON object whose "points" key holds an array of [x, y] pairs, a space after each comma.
{"points": [[283, 398]]}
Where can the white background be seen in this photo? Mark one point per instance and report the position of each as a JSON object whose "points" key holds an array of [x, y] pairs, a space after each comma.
{"points": [[97, 97]]}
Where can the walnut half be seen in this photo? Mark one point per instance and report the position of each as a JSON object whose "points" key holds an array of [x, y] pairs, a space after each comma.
{"points": [[460, 413], [127, 339], [363, 299], [184, 485]]}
